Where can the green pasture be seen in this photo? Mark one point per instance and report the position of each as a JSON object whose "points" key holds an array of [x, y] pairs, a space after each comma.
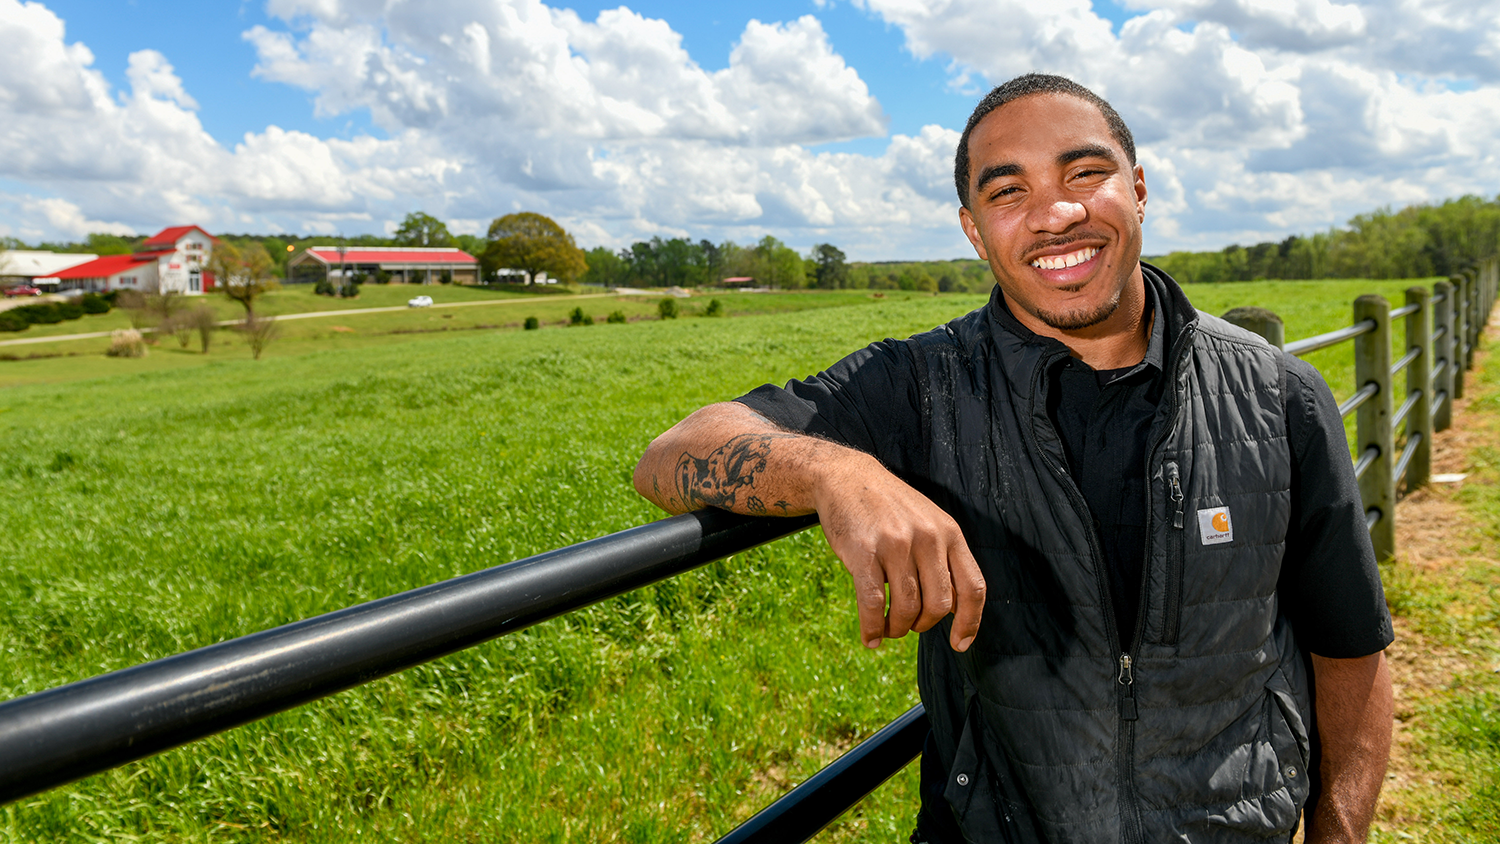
{"points": [[152, 508]]}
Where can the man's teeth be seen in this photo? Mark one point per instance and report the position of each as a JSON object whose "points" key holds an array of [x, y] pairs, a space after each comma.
{"points": [[1058, 262]]}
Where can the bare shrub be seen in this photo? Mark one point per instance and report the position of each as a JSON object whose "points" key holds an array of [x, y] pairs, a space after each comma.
{"points": [[126, 343], [133, 303], [202, 320], [259, 331]]}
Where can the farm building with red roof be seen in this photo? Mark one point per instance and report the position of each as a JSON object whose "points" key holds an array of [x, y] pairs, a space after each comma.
{"points": [[175, 260], [412, 265]]}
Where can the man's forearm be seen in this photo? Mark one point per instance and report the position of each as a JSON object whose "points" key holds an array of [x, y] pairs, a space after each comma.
{"points": [[887, 534], [1354, 732], [728, 456]]}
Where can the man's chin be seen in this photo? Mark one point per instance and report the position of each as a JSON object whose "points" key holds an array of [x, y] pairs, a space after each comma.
{"points": [[1080, 319]]}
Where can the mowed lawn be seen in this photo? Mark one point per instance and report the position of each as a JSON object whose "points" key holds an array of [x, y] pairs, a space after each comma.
{"points": [[153, 511]]}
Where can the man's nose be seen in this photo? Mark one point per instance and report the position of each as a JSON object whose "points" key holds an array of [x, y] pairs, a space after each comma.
{"points": [[1057, 215]]}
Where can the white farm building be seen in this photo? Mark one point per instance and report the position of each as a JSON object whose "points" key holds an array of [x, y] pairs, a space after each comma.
{"points": [[175, 260]]}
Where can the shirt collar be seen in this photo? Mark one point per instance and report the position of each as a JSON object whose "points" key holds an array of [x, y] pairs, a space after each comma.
{"points": [[1156, 345]]}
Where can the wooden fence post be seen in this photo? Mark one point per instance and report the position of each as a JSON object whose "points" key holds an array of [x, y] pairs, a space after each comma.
{"points": [[1260, 321], [1460, 333], [1474, 318], [1442, 355], [1419, 381], [1372, 363]]}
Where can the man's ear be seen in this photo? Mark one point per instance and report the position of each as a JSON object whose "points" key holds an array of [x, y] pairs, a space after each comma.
{"points": [[1140, 192], [971, 231]]}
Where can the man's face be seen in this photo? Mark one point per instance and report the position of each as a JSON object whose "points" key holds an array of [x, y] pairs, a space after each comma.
{"points": [[1056, 210]]}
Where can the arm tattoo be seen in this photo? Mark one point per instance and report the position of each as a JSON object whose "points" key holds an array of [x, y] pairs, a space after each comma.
{"points": [[719, 479]]}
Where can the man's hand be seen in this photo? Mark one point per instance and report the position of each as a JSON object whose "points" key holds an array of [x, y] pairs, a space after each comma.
{"points": [[1353, 700], [885, 532]]}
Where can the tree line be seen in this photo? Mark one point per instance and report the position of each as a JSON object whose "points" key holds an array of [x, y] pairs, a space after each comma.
{"points": [[1415, 242], [1418, 241]]}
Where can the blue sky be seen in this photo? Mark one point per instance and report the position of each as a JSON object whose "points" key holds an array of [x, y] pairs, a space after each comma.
{"points": [[834, 124]]}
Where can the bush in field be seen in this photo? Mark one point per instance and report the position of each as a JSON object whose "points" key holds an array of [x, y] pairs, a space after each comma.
{"points": [[350, 288], [532, 323], [93, 303], [70, 309], [616, 317], [667, 308], [578, 317], [45, 313], [126, 343], [446, 277], [714, 308], [133, 302], [12, 321], [203, 320], [110, 296], [259, 331], [177, 326], [324, 287]]}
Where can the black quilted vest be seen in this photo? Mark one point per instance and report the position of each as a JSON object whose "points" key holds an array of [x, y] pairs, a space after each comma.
{"points": [[1048, 730]]}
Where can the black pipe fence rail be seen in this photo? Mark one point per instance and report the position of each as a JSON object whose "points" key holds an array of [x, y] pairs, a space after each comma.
{"points": [[59, 735]]}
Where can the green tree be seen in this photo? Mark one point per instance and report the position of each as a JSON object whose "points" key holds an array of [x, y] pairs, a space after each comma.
{"points": [[780, 265], [832, 271], [535, 244], [419, 229], [606, 268], [244, 274], [100, 243]]}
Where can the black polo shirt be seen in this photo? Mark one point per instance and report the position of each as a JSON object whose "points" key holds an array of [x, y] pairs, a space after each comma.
{"points": [[1329, 586]]}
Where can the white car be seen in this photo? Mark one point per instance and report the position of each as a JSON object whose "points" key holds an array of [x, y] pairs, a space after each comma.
{"points": [[419, 302]]}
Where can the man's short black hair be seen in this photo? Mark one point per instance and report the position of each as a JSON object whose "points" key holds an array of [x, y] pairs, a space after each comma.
{"points": [[1025, 86]]}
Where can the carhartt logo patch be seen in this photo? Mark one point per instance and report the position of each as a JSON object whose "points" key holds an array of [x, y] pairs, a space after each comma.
{"points": [[1214, 526]]}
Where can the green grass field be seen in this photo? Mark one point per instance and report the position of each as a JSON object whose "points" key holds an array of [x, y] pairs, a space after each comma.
{"points": [[155, 508]]}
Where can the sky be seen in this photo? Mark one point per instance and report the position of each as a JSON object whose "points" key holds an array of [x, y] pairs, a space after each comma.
{"points": [[816, 121]]}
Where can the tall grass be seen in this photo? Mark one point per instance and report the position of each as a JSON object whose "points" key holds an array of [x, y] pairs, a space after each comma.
{"points": [[155, 512]]}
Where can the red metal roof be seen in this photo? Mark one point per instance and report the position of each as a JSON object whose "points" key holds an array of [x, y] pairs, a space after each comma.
{"points": [[104, 267], [393, 255], [167, 238]]}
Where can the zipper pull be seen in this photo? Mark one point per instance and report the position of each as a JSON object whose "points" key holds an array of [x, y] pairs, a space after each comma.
{"points": [[1175, 494], [1127, 697]]}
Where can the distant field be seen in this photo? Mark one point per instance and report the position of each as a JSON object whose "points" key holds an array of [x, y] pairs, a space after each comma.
{"points": [[477, 309], [153, 509]]}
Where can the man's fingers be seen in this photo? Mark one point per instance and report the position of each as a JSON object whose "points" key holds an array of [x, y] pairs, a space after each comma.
{"points": [[869, 596], [906, 596], [931, 559], [968, 593]]}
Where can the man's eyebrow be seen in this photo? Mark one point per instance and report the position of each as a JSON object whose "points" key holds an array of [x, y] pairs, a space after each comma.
{"points": [[1089, 151], [996, 171]]}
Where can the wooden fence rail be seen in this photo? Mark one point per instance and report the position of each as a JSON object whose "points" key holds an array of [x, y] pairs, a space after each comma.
{"points": [[1393, 442]]}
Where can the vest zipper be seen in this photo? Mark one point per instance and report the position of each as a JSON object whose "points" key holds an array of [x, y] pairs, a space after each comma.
{"points": [[1130, 810], [1173, 614], [1126, 682]]}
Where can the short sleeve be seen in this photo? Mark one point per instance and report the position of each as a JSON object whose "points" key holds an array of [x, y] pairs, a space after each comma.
{"points": [[1330, 585], [870, 400]]}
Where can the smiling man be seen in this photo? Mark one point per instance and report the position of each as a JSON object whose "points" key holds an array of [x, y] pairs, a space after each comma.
{"points": [[1127, 531]]}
